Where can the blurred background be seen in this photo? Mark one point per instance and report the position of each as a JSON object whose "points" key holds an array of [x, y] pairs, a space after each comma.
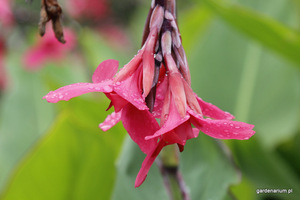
{"points": [[244, 57]]}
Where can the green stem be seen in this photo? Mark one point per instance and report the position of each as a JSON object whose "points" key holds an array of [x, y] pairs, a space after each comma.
{"points": [[169, 164]]}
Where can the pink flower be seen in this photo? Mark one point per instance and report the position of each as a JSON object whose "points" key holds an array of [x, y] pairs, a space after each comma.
{"points": [[6, 15], [92, 9], [156, 86], [48, 49]]}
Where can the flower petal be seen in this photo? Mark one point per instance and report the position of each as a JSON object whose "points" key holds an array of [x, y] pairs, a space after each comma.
{"points": [[213, 111], [223, 129], [147, 163], [130, 67], [139, 124], [160, 97], [129, 90], [67, 92], [106, 70], [110, 121], [117, 101], [174, 120], [148, 62]]}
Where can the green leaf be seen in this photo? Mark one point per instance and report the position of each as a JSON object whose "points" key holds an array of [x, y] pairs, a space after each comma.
{"points": [[203, 172], [266, 169], [276, 36], [75, 160], [23, 115]]}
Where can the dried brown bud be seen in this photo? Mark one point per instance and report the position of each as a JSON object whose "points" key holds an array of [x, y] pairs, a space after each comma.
{"points": [[51, 10]]}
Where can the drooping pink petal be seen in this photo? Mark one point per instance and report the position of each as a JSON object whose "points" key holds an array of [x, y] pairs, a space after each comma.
{"points": [[223, 129], [116, 101], [140, 124], [148, 62], [110, 121], [173, 121], [191, 98], [213, 111], [130, 67], [106, 70], [176, 85], [129, 89], [160, 97], [67, 92], [180, 134], [147, 163]]}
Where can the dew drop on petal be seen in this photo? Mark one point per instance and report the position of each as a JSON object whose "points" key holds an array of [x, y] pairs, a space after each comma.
{"points": [[237, 127]]}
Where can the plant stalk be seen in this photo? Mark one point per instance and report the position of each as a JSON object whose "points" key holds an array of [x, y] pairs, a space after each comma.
{"points": [[173, 180]]}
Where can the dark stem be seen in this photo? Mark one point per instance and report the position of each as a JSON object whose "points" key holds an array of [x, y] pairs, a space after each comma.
{"points": [[169, 168]]}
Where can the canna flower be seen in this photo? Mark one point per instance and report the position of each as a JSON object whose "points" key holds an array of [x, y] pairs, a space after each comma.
{"points": [[48, 48], [156, 86], [6, 14]]}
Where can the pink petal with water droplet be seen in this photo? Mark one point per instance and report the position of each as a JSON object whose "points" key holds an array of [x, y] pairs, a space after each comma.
{"points": [[67, 92], [213, 111], [130, 67], [110, 121], [180, 134], [147, 163], [160, 97], [130, 90], [139, 124], [224, 129], [106, 70], [117, 101], [174, 120]]}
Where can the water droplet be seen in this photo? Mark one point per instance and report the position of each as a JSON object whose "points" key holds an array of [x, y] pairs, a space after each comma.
{"points": [[231, 124], [118, 83], [226, 131], [61, 96], [106, 88], [237, 127], [225, 123]]}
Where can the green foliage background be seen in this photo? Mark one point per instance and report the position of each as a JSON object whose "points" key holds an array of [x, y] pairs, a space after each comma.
{"points": [[244, 57]]}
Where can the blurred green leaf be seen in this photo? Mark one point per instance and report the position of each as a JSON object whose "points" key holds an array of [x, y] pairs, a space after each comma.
{"points": [[23, 115], [267, 31], [203, 172], [73, 161], [266, 169]]}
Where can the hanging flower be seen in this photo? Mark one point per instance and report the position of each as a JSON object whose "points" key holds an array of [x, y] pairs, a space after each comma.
{"points": [[48, 48], [156, 86]]}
